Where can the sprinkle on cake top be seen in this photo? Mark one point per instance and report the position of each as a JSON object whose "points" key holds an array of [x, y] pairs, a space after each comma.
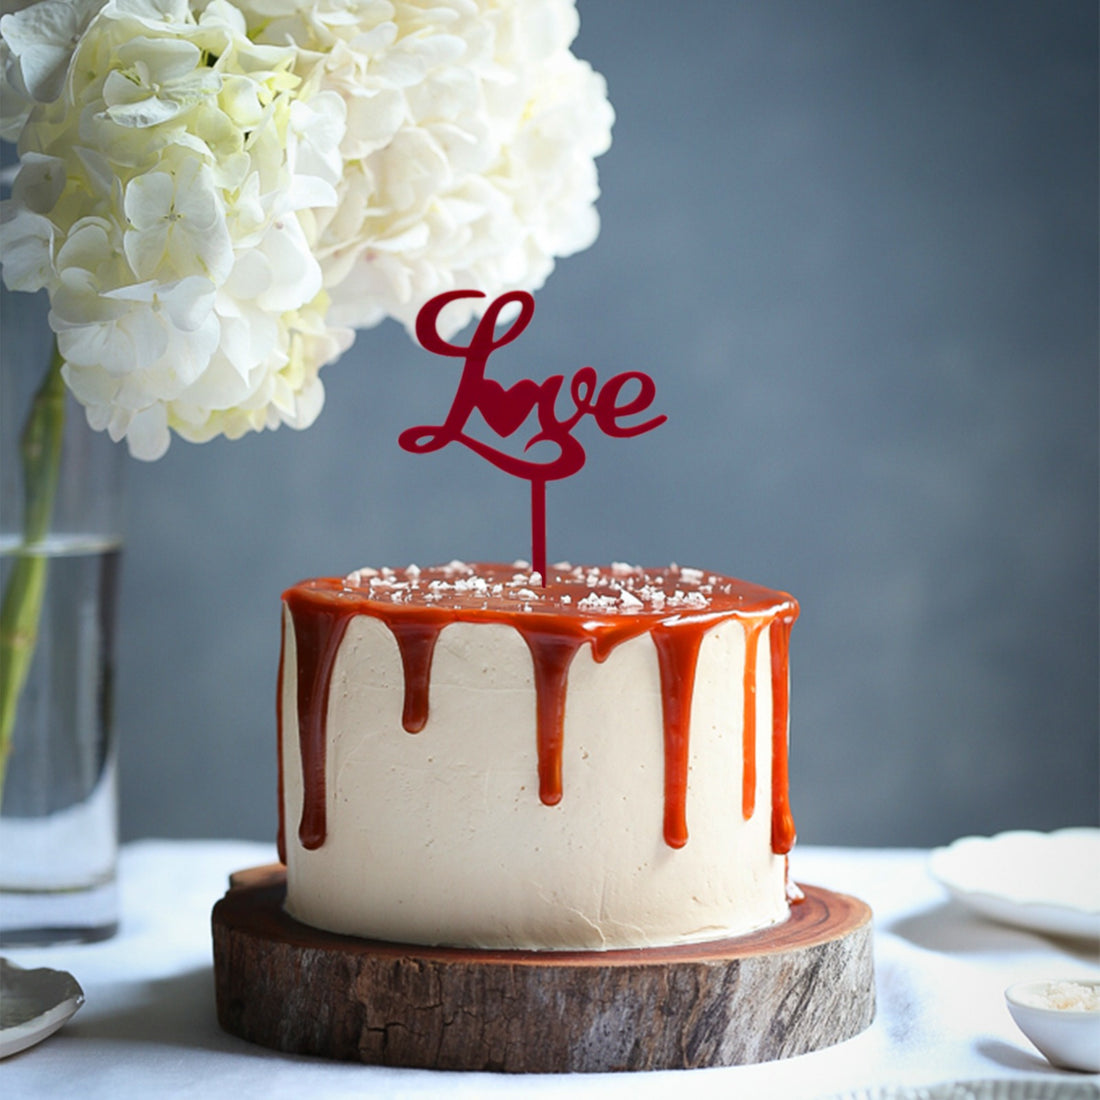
{"points": [[618, 589]]}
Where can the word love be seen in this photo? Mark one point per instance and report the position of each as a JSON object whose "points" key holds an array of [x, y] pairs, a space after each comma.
{"points": [[505, 410]]}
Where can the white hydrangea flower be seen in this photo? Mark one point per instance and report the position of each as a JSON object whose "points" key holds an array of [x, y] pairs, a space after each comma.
{"points": [[184, 291], [470, 146], [215, 192]]}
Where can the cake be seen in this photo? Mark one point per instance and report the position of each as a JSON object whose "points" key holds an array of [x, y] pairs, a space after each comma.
{"points": [[470, 758]]}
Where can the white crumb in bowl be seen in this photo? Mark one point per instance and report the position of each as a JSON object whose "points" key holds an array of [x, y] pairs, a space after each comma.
{"points": [[1062, 996]]}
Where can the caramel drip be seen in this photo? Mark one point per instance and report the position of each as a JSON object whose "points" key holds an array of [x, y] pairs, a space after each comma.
{"points": [[551, 655], [416, 641], [320, 611], [783, 832], [280, 836], [677, 657], [748, 719], [318, 631]]}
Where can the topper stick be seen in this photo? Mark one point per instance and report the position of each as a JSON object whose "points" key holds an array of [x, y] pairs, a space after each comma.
{"points": [[538, 528]]}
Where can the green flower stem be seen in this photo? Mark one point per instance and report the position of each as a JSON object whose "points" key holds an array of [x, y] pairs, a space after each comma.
{"points": [[21, 610]]}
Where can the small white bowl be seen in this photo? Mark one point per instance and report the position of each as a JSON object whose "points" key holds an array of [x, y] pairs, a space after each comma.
{"points": [[1068, 1038]]}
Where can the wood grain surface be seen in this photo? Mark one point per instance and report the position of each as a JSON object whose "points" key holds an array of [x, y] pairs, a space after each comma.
{"points": [[786, 990]]}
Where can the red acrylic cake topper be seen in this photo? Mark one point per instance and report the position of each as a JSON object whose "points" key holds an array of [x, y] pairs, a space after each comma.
{"points": [[505, 410]]}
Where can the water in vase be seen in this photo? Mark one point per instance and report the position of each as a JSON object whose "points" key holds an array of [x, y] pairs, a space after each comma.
{"points": [[58, 827]]}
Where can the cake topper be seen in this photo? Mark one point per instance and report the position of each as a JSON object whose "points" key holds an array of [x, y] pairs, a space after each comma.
{"points": [[505, 410]]}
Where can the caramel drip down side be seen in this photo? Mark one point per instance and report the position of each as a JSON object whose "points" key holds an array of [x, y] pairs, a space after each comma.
{"points": [[280, 836], [551, 656], [783, 833], [748, 718], [318, 631], [416, 640], [677, 657]]}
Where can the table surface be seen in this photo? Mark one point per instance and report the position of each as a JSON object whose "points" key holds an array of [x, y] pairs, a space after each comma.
{"points": [[148, 1026]]}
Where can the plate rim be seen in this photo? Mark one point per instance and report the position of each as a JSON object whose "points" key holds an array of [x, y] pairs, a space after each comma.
{"points": [[1032, 912]]}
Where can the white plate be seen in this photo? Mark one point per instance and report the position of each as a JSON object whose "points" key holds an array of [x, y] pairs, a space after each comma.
{"points": [[34, 1004], [1049, 882]]}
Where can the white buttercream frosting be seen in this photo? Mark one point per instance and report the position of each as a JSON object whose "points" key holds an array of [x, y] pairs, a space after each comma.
{"points": [[440, 836]]}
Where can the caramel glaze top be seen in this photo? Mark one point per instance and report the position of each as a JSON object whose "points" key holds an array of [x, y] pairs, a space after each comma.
{"points": [[599, 606]]}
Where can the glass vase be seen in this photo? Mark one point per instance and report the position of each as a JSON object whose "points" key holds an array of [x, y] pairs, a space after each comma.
{"points": [[61, 496]]}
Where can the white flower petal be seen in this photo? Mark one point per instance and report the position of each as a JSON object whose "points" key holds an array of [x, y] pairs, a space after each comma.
{"points": [[87, 244], [143, 114], [149, 199], [26, 249], [90, 386], [189, 303], [296, 275], [41, 38], [145, 249], [166, 59], [39, 183], [147, 433], [106, 345]]}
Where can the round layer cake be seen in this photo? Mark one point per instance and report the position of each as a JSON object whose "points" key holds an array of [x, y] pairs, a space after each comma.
{"points": [[468, 757]]}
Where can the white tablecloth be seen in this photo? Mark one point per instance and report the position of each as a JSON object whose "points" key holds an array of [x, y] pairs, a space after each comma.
{"points": [[148, 1027]]}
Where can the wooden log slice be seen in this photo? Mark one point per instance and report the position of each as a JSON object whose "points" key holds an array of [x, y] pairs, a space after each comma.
{"points": [[786, 990]]}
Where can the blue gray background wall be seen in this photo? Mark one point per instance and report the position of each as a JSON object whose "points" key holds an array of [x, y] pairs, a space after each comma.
{"points": [[855, 243]]}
